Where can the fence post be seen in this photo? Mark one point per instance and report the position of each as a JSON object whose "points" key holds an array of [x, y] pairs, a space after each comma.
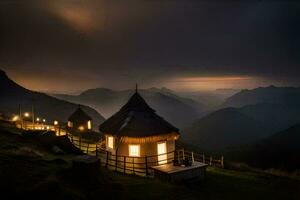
{"points": [[106, 164], [222, 161], [133, 165], [79, 142], [116, 167], [203, 158], [124, 165], [146, 165], [87, 148], [210, 161], [97, 150], [193, 160]]}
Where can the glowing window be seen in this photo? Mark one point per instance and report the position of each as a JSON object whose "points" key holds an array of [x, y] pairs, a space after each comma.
{"points": [[70, 124], [162, 152], [110, 141], [89, 124], [134, 150]]}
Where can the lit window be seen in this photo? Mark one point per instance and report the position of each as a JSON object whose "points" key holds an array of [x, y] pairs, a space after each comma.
{"points": [[81, 128], [162, 152], [134, 150], [70, 124], [89, 124], [110, 141]]}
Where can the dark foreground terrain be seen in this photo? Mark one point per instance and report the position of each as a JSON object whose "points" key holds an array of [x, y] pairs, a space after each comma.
{"points": [[28, 169]]}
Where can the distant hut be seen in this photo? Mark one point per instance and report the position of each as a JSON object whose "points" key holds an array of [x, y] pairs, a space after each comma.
{"points": [[79, 128], [137, 131], [79, 121]]}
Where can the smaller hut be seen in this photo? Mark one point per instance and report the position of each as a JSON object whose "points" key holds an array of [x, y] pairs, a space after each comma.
{"points": [[80, 131], [79, 121]]}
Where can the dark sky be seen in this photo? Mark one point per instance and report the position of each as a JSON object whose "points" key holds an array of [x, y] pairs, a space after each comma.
{"points": [[70, 45]]}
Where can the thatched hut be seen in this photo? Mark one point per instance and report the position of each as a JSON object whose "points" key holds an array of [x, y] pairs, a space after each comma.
{"points": [[79, 130], [137, 131], [79, 121]]}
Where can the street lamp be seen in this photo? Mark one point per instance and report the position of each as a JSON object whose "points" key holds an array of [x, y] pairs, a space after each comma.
{"points": [[15, 118], [26, 114], [55, 123]]}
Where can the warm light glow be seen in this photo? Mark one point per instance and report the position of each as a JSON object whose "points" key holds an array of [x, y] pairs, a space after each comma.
{"points": [[134, 150], [26, 114], [55, 122], [37, 119], [44, 120], [48, 127], [15, 118], [89, 124], [110, 141], [79, 17], [81, 128], [162, 149], [70, 124], [216, 82]]}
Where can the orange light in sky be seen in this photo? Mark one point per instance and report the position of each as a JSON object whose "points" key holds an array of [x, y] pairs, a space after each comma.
{"points": [[215, 82]]}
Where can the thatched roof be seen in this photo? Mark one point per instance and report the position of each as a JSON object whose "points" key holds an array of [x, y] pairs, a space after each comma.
{"points": [[79, 116], [136, 119]]}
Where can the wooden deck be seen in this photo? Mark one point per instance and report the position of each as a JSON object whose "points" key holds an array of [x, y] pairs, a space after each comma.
{"points": [[169, 172]]}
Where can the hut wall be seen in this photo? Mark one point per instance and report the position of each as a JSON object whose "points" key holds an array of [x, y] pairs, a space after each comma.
{"points": [[147, 149]]}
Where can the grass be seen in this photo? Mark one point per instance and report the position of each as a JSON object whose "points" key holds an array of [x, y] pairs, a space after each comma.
{"points": [[220, 184], [27, 169]]}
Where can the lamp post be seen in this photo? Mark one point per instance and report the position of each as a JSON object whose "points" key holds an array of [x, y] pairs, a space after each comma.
{"points": [[44, 120], [56, 127], [32, 116], [26, 115]]}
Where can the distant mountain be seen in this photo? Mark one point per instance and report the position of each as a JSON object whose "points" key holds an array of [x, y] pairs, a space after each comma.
{"points": [[210, 99], [223, 128], [266, 95], [276, 107], [281, 150], [178, 110], [12, 94]]}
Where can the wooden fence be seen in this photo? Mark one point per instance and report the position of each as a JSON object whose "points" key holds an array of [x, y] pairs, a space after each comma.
{"points": [[138, 165], [86, 146], [142, 165], [134, 165]]}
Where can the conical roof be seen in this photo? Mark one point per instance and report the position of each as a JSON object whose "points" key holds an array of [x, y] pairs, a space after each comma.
{"points": [[79, 116], [136, 119]]}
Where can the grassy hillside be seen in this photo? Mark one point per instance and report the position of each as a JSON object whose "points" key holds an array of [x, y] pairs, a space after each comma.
{"points": [[27, 169], [281, 151]]}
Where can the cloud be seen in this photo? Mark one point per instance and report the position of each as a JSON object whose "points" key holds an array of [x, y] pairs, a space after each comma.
{"points": [[117, 43]]}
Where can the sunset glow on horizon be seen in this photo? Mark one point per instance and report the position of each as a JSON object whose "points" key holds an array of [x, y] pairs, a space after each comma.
{"points": [[216, 82]]}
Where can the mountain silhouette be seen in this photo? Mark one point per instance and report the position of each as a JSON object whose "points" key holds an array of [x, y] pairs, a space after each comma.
{"points": [[223, 128], [13, 95], [177, 110]]}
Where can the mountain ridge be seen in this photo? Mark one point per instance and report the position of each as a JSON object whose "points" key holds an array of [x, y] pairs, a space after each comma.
{"points": [[177, 110], [13, 95]]}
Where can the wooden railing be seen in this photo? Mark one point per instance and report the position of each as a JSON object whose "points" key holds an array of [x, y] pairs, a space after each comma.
{"points": [[134, 165], [139, 165]]}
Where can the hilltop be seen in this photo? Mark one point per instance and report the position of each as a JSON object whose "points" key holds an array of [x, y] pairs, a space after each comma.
{"points": [[28, 170]]}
